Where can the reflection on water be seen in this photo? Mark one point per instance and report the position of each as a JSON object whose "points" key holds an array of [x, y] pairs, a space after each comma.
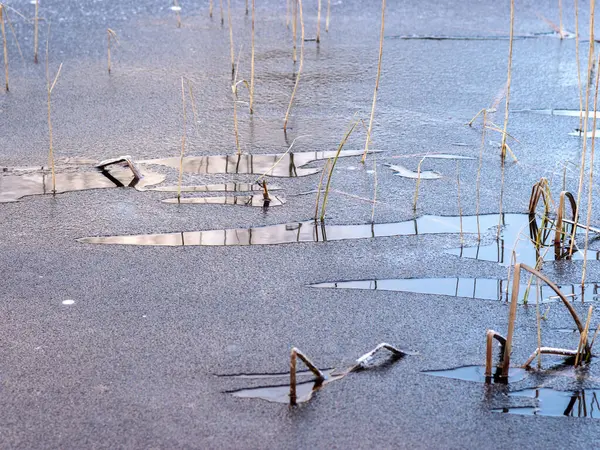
{"points": [[244, 200], [14, 187], [477, 373], [550, 402], [221, 187], [310, 231], [291, 164], [281, 393], [477, 288], [407, 173]]}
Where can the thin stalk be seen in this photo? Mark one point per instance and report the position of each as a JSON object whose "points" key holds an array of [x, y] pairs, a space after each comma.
{"points": [[327, 19], [374, 188], [320, 186], [458, 196], [578, 65], [560, 22], [210, 9], [287, 13], [252, 65], [538, 294], [287, 114], [327, 187], [508, 77], [477, 194], [294, 27], [318, 21], [35, 32], [376, 82], [585, 123], [582, 348], [417, 184], [222, 14], [591, 179], [178, 11], [246, 7], [110, 36], [183, 136], [503, 164], [231, 51], [108, 47], [49, 89], [4, 46]]}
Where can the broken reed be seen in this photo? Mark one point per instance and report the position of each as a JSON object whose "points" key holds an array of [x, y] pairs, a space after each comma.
{"points": [[4, 46], [318, 21], [337, 155], [110, 35], [591, 178], [234, 89], [287, 114], [252, 66], [508, 79], [35, 32], [294, 355], [376, 82], [585, 122]]}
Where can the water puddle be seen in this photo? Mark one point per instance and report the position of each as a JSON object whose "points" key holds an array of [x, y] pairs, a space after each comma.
{"points": [[14, 187], [477, 374], [243, 200], [407, 173], [550, 402], [557, 112], [289, 165], [474, 288], [309, 231], [220, 187]]}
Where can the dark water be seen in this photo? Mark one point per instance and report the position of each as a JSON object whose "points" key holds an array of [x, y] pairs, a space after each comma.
{"points": [[476, 288], [550, 402]]}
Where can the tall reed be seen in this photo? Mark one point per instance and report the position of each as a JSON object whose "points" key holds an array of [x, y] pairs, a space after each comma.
{"points": [[375, 185], [318, 21], [35, 32], [252, 65], [508, 79], [230, 38], [49, 89], [376, 82], [580, 88], [183, 138], [585, 122], [287, 114], [294, 27], [591, 178], [4, 46]]}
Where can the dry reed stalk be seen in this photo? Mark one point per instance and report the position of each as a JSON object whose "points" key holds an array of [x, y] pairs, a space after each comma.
{"points": [[582, 346], [231, 51], [578, 65], [417, 184], [318, 21], [283, 155], [287, 114], [183, 137], [295, 27], [178, 11], [374, 187], [489, 353], [508, 78], [210, 9], [547, 351], [12, 30], [320, 186], [538, 295], [560, 22], [222, 14], [327, 187], [252, 66], [287, 13], [585, 123], [246, 7], [591, 179], [327, 18], [294, 355], [110, 34], [35, 32], [458, 197], [376, 82], [4, 46], [49, 89], [478, 182], [594, 337]]}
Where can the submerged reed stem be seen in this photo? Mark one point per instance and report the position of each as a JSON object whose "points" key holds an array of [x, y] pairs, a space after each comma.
{"points": [[376, 82], [508, 78], [287, 114], [110, 34]]}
